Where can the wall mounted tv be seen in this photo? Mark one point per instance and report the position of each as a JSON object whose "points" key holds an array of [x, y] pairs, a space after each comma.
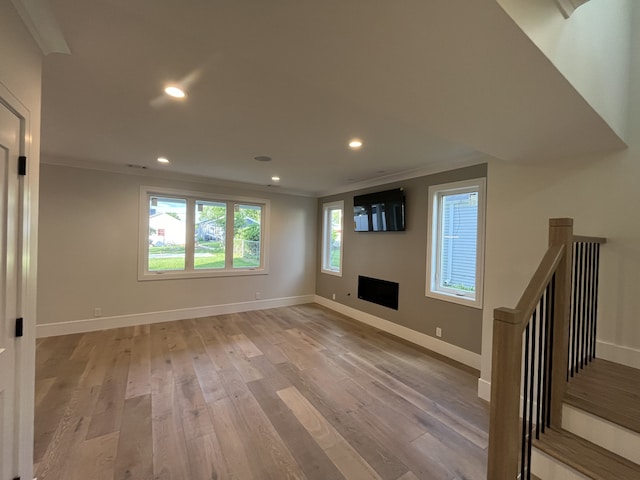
{"points": [[379, 211]]}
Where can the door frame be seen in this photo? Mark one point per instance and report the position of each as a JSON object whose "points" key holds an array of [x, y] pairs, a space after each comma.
{"points": [[26, 307]]}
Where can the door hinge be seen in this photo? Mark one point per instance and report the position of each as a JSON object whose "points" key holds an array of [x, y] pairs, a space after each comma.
{"points": [[22, 165], [19, 327]]}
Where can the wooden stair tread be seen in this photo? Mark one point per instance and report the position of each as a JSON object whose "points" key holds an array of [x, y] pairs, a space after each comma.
{"points": [[585, 457], [607, 390]]}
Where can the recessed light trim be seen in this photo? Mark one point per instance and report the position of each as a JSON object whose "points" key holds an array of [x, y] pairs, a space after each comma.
{"points": [[355, 143], [163, 160], [262, 158], [175, 92]]}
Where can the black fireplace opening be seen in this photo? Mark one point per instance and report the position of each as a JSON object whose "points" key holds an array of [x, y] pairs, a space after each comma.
{"points": [[378, 291]]}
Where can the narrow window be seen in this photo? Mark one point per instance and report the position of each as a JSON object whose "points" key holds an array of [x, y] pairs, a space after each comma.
{"points": [[167, 233], [247, 234], [455, 258], [332, 223], [210, 234]]}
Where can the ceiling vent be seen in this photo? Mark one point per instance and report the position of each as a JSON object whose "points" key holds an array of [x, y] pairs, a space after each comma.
{"points": [[567, 7]]}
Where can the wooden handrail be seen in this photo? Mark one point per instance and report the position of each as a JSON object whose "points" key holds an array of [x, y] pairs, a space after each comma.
{"points": [[531, 296], [551, 287], [508, 327], [585, 239]]}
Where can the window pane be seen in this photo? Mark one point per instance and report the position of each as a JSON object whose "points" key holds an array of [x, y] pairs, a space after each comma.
{"points": [[335, 239], [246, 236], [167, 221], [458, 247], [210, 234]]}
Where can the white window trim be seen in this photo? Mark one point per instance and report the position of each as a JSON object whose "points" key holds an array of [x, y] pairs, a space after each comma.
{"points": [[432, 231], [191, 196], [326, 234]]}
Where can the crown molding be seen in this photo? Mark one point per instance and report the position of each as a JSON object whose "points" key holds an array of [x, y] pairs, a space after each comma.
{"points": [[168, 175], [567, 7], [42, 24], [429, 169]]}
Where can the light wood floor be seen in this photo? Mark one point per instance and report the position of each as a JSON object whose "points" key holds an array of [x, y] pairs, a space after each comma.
{"points": [[608, 390], [296, 392]]}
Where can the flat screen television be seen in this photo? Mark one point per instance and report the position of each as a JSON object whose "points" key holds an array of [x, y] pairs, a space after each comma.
{"points": [[379, 211]]}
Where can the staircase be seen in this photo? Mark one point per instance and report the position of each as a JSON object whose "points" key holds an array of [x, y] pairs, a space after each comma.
{"points": [[600, 435], [557, 411]]}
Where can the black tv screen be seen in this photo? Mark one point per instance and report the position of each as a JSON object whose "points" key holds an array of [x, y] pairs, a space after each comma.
{"points": [[379, 211]]}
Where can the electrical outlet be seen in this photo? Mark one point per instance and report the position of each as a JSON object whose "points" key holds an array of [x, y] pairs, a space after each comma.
{"points": [[97, 312], [258, 295], [333, 296], [438, 332]]}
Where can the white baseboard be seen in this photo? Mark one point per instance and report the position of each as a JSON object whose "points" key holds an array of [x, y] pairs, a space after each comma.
{"points": [[104, 323], [618, 354], [484, 389], [443, 348]]}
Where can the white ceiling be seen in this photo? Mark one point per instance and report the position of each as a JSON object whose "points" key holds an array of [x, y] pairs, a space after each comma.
{"points": [[421, 82]]}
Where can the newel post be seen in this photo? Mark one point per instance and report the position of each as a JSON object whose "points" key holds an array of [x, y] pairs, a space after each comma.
{"points": [[504, 426], [561, 233]]}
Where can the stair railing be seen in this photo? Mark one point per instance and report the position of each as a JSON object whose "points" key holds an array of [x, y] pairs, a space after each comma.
{"points": [[584, 302], [530, 342]]}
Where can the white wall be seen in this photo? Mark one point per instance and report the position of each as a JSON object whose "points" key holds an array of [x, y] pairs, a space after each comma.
{"points": [[20, 73], [591, 49], [602, 194], [89, 250]]}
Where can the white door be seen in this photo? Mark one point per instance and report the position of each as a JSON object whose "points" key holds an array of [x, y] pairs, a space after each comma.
{"points": [[10, 264]]}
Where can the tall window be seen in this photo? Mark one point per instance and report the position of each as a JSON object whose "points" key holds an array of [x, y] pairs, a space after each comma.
{"points": [[332, 222], [187, 234], [455, 257]]}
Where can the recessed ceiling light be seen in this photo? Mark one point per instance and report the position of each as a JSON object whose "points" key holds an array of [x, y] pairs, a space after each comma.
{"points": [[275, 178], [162, 160], [174, 91], [355, 143], [262, 158]]}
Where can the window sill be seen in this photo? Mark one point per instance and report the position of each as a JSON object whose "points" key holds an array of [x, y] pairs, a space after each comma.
{"points": [[331, 272], [169, 275], [458, 299]]}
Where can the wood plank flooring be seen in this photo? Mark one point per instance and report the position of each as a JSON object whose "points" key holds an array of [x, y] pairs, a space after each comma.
{"points": [[297, 392], [608, 390]]}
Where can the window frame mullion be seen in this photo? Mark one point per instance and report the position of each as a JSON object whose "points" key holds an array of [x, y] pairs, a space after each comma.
{"points": [[190, 227]]}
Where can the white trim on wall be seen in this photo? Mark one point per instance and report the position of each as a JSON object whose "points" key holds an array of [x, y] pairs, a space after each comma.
{"points": [[618, 354], [484, 389], [104, 323], [458, 354]]}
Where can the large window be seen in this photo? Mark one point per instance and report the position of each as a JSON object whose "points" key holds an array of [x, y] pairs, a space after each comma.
{"points": [[455, 257], [187, 234], [332, 222]]}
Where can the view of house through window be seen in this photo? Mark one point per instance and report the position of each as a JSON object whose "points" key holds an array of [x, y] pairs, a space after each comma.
{"points": [[167, 233], [210, 235], [332, 237], [193, 236], [455, 242]]}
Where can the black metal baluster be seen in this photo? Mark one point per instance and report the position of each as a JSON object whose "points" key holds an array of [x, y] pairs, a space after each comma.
{"points": [[581, 314], [592, 313], [523, 461], [574, 327], [595, 300], [532, 381], [541, 351], [552, 321], [547, 353]]}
